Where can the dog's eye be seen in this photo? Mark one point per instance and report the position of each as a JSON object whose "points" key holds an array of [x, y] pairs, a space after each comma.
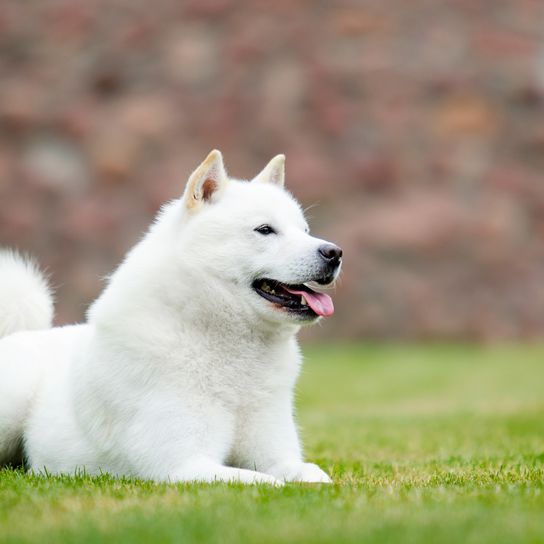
{"points": [[265, 229]]}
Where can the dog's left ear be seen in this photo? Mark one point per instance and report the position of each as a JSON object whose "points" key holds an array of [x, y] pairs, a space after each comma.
{"points": [[273, 172], [206, 181]]}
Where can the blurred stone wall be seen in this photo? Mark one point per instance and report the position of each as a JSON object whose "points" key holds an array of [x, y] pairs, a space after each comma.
{"points": [[414, 132]]}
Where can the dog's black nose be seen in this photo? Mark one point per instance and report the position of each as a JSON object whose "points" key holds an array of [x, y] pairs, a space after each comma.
{"points": [[331, 253]]}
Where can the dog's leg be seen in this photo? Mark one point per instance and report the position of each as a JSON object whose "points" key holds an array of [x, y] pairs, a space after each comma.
{"points": [[205, 470], [269, 443], [172, 441], [21, 371]]}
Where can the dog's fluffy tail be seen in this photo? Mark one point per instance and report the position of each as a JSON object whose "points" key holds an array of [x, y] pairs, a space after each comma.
{"points": [[26, 301]]}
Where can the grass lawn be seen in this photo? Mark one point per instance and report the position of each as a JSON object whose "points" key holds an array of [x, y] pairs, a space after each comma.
{"points": [[425, 444]]}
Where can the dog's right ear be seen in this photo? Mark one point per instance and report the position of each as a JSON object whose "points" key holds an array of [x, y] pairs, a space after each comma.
{"points": [[205, 182], [273, 172]]}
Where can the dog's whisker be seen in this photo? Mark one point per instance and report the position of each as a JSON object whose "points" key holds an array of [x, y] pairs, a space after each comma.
{"points": [[310, 207]]}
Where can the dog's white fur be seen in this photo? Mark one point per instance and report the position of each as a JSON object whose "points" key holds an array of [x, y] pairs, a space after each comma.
{"points": [[26, 303], [182, 372]]}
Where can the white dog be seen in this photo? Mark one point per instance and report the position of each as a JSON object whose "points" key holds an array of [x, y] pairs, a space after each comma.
{"points": [[186, 367]]}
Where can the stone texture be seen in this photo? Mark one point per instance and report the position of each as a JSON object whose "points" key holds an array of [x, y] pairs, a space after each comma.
{"points": [[413, 132]]}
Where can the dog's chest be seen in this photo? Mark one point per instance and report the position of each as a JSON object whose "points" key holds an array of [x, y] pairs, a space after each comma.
{"points": [[239, 378], [243, 382]]}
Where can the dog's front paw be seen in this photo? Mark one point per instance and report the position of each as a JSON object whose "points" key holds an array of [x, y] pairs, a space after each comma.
{"points": [[304, 472]]}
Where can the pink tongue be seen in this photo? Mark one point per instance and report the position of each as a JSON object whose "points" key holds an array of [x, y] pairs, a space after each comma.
{"points": [[320, 303]]}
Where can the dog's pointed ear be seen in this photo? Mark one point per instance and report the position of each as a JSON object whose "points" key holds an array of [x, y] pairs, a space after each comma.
{"points": [[206, 181], [273, 172]]}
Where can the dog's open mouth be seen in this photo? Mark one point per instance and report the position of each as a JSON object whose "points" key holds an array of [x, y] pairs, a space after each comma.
{"points": [[299, 299]]}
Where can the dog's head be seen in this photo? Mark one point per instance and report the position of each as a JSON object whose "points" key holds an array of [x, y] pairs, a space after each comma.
{"points": [[252, 241]]}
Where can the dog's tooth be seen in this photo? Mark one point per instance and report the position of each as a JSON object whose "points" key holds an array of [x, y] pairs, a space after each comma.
{"points": [[303, 301]]}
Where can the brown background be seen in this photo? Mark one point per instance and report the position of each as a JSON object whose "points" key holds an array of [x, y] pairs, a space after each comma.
{"points": [[413, 129]]}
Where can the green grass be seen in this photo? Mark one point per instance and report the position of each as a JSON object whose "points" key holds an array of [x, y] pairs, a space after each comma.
{"points": [[425, 444]]}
